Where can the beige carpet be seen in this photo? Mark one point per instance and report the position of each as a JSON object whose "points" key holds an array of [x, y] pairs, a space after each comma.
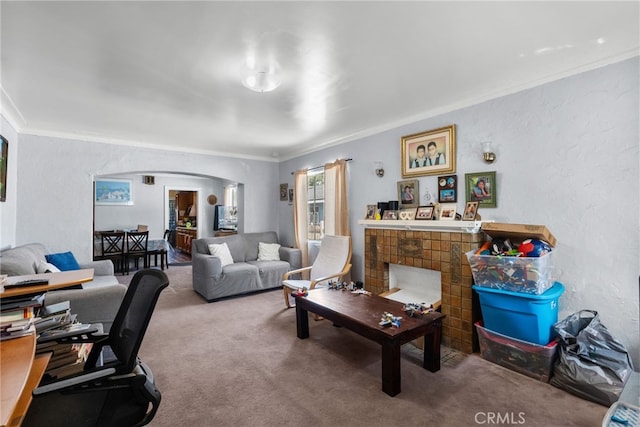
{"points": [[238, 362]]}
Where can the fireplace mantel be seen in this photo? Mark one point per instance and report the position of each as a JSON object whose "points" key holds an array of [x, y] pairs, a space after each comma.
{"points": [[450, 226]]}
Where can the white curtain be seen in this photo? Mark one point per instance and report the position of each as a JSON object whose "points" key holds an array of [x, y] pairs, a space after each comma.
{"points": [[300, 214], [336, 210]]}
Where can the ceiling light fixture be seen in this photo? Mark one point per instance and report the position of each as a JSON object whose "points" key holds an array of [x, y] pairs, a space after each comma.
{"points": [[262, 80]]}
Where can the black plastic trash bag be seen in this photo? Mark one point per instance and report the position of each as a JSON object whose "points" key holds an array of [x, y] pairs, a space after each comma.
{"points": [[591, 363]]}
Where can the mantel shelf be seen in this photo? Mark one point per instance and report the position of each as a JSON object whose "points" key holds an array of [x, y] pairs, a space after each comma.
{"points": [[421, 225]]}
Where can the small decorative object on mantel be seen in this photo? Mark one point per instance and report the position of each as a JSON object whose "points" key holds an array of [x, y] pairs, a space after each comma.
{"points": [[448, 189], [284, 193], [407, 214], [371, 212], [390, 215]]}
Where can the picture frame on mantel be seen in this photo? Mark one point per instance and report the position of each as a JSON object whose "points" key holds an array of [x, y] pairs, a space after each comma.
{"points": [[429, 153], [409, 193]]}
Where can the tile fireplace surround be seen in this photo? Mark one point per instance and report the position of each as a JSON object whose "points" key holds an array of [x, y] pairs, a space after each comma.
{"points": [[442, 251]]}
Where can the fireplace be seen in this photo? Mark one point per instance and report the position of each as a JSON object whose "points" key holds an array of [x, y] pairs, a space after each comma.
{"points": [[443, 251]]}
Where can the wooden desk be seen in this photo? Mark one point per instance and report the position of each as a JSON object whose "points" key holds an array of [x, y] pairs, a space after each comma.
{"points": [[361, 314], [60, 280], [20, 368]]}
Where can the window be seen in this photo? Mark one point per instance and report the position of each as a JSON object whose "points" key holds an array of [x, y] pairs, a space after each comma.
{"points": [[315, 199]]}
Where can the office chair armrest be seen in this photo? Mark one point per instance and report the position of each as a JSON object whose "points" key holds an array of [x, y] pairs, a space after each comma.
{"points": [[346, 269], [299, 270], [76, 380]]}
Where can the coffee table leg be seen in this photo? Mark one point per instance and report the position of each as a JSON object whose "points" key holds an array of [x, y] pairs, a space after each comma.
{"points": [[302, 322], [391, 380], [432, 347]]}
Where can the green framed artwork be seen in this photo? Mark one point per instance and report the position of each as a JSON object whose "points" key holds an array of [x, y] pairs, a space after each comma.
{"points": [[3, 168], [481, 187]]}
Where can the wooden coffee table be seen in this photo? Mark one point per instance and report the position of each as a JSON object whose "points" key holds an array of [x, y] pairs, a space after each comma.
{"points": [[361, 314]]}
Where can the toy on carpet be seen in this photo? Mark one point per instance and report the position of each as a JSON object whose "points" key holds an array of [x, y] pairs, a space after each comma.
{"points": [[302, 292]]}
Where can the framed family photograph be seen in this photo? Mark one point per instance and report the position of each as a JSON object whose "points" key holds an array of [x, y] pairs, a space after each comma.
{"points": [[448, 189], [371, 212], [409, 193], [447, 212], [111, 191], [429, 153], [389, 214], [470, 211], [481, 187], [424, 212]]}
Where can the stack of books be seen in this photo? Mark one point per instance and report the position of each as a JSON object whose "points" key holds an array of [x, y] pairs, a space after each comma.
{"points": [[18, 316]]}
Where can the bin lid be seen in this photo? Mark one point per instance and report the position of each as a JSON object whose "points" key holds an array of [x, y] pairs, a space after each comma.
{"points": [[552, 293], [519, 231]]}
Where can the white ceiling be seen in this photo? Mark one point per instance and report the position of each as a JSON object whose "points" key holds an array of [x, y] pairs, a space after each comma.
{"points": [[167, 74]]}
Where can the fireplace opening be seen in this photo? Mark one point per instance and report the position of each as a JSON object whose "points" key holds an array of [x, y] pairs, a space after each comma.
{"points": [[415, 285]]}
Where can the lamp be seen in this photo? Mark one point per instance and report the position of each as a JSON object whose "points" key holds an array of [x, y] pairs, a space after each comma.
{"points": [[262, 80], [379, 169], [487, 153]]}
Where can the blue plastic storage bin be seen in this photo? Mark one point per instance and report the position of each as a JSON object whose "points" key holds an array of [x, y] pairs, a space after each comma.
{"points": [[525, 317]]}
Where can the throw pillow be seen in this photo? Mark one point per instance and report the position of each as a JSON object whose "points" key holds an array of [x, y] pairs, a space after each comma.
{"points": [[64, 261], [46, 267], [268, 251], [221, 251]]}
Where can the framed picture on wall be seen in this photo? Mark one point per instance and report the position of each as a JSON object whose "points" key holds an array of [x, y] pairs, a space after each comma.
{"points": [[113, 192], [448, 189], [3, 168], [429, 153], [284, 192], [481, 187]]}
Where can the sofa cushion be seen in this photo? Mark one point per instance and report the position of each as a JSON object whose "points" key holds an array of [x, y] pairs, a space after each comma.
{"points": [[22, 260], [221, 251], [46, 267], [268, 251], [65, 261]]}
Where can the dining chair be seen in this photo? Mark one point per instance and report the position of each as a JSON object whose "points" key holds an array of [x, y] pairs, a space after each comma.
{"points": [[159, 247], [113, 248], [333, 262], [137, 244]]}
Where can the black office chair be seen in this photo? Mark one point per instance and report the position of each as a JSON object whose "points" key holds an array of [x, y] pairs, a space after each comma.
{"points": [[116, 392]]}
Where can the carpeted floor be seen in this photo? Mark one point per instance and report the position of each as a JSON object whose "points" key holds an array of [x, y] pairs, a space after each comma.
{"points": [[238, 362]]}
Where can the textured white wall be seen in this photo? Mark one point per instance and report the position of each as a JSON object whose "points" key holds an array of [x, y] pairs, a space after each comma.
{"points": [[57, 208], [567, 158], [8, 208]]}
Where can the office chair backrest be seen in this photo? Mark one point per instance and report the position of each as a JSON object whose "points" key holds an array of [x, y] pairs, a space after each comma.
{"points": [[134, 314]]}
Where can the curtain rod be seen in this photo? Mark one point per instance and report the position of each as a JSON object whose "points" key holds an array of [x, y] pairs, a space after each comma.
{"points": [[318, 167]]}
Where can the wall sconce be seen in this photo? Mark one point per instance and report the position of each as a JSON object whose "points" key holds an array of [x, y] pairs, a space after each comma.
{"points": [[487, 153], [379, 169]]}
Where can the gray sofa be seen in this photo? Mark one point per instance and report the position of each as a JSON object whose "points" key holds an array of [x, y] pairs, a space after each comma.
{"points": [[246, 274], [96, 302]]}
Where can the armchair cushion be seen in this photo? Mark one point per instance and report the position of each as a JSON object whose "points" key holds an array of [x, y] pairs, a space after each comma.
{"points": [[64, 261]]}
